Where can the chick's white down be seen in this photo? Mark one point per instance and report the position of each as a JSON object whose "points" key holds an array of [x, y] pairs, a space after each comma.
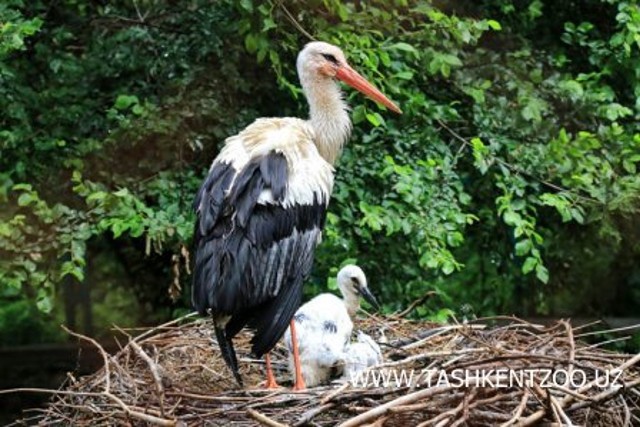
{"points": [[361, 355], [324, 327]]}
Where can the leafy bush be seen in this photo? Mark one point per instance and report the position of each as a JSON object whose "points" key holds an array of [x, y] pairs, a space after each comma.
{"points": [[509, 183]]}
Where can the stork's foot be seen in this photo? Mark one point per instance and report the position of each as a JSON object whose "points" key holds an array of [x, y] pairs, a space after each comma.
{"points": [[299, 385], [271, 384]]}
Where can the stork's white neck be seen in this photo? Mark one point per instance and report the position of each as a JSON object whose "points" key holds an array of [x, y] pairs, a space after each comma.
{"points": [[329, 116], [351, 302]]}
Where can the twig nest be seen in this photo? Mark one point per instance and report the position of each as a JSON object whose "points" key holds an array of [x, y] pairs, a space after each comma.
{"points": [[501, 371]]}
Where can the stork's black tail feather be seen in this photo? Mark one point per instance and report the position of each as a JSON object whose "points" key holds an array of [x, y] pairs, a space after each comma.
{"points": [[228, 353]]}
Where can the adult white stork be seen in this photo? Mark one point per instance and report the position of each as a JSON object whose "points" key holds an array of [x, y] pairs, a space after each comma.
{"points": [[261, 209], [324, 327]]}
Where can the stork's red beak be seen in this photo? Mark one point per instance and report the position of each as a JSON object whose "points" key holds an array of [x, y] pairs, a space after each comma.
{"points": [[356, 81]]}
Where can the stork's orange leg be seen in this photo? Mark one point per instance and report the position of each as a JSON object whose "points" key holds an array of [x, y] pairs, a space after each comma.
{"points": [[299, 384], [271, 379]]}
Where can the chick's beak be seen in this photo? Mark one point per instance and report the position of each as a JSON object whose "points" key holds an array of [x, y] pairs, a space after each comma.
{"points": [[368, 297], [351, 77]]}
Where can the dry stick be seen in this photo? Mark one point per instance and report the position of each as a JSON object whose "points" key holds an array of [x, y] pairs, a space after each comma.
{"points": [[415, 304], [286, 399], [558, 410], [604, 395], [263, 419], [516, 356], [164, 325], [369, 393], [519, 409], [431, 354], [431, 333], [311, 413], [608, 331], [494, 417], [586, 325], [437, 333], [629, 363], [424, 405], [442, 423], [50, 391], [132, 413], [516, 322], [465, 415], [572, 346], [536, 416], [107, 386], [571, 392], [459, 422], [544, 397], [380, 422], [627, 412], [402, 400], [155, 372], [603, 357], [140, 415], [212, 398], [465, 409], [330, 396], [600, 344], [105, 357], [445, 416]]}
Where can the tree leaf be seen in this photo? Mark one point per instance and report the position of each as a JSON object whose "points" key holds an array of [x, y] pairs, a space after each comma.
{"points": [[529, 264]]}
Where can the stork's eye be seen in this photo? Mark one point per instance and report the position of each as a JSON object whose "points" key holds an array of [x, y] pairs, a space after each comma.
{"points": [[330, 58]]}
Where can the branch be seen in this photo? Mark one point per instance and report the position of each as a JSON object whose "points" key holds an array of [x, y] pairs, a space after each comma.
{"points": [[263, 419], [416, 303], [155, 372], [310, 414], [536, 416], [378, 411], [294, 21], [105, 356], [132, 413], [517, 170]]}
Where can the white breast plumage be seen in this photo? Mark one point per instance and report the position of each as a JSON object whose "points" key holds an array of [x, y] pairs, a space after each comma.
{"points": [[310, 175]]}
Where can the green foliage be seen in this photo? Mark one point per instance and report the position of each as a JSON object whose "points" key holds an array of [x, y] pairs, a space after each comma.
{"points": [[509, 183], [22, 323], [14, 28]]}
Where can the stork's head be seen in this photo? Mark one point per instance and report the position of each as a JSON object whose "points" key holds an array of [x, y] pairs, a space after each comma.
{"points": [[353, 285], [320, 61]]}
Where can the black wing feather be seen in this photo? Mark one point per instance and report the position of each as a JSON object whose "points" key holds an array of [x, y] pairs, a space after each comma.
{"points": [[274, 173], [273, 318], [211, 197], [251, 259]]}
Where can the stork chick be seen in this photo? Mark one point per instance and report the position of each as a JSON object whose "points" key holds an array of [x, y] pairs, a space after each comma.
{"points": [[323, 326], [362, 354]]}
